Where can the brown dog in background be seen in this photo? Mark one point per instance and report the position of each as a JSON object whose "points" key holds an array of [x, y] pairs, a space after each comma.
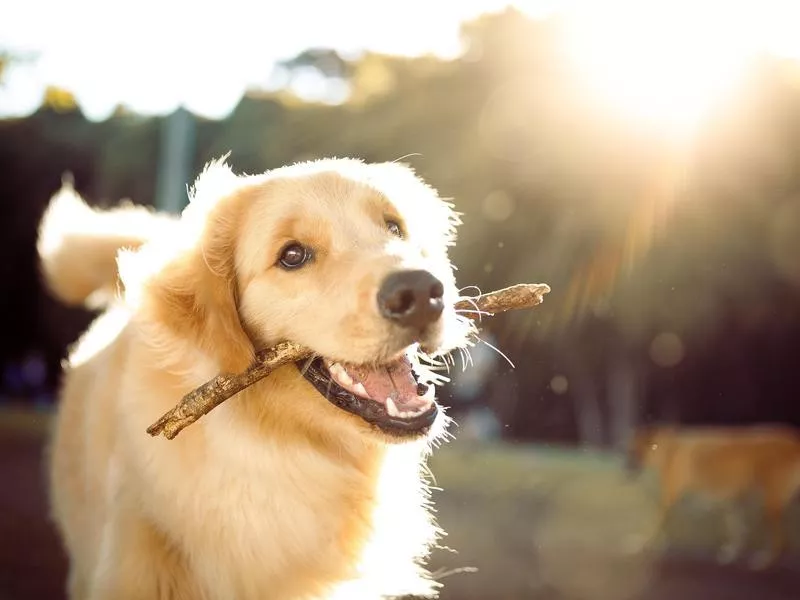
{"points": [[723, 465], [307, 485]]}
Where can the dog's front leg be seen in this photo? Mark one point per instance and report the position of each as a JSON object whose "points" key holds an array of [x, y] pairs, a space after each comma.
{"points": [[736, 534], [775, 500], [137, 563]]}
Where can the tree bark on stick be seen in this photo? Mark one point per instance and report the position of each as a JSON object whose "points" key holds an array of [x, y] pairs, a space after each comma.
{"points": [[214, 392]]}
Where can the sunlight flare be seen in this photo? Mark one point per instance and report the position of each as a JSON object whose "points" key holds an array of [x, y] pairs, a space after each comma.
{"points": [[663, 64]]}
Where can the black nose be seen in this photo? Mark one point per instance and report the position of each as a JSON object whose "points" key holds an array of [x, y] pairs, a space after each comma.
{"points": [[411, 298]]}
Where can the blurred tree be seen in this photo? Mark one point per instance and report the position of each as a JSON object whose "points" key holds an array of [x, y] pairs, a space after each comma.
{"points": [[667, 264], [4, 62], [327, 61], [59, 100]]}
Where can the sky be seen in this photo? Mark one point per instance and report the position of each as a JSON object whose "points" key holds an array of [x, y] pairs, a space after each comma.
{"points": [[156, 55]]}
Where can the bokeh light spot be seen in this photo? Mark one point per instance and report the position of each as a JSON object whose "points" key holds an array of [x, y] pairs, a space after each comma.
{"points": [[498, 206], [666, 349], [559, 384]]}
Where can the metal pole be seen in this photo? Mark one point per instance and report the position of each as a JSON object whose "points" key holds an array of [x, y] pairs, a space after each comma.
{"points": [[177, 147]]}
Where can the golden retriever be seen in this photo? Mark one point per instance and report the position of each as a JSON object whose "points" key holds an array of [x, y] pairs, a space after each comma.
{"points": [[309, 484], [723, 465]]}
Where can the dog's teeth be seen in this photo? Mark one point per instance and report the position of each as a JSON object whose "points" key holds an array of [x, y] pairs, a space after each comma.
{"points": [[340, 374], [360, 390], [391, 408]]}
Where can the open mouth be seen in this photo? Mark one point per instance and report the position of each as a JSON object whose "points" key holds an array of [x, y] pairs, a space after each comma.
{"points": [[391, 397]]}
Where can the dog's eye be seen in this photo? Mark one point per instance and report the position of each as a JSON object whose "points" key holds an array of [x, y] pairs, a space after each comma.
{"points": [[394, 228], [294, 256]]}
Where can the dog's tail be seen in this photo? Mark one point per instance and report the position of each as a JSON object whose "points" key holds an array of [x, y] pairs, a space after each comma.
{"points": [[78, 245]]}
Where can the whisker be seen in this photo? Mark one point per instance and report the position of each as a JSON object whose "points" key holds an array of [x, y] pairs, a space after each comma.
{"points": [[409, 155], [464, 359], [430, 364], [307, 364], [328, 391], [467, 311], [474, 304], [469, 357], [442, 573], [434, 361], [471, 287], [508, 360], [427, 371], [446, 360], [439, 363]]}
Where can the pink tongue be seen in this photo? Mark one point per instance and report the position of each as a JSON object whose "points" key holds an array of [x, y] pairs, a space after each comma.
{"points": [[394, 381]]}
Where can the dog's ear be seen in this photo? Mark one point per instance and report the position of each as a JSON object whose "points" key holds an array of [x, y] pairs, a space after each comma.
{"points": [[195, 295]]}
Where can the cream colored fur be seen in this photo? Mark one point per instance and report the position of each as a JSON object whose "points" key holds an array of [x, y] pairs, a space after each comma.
{"points": [[276, 494]]}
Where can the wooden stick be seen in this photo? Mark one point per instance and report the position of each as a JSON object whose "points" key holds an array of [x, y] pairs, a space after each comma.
{"points": [[214, 392]]}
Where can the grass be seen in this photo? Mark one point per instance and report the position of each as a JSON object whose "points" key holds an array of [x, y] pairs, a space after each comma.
{"points": [[529, 519], [536, 522], [20, 419]]}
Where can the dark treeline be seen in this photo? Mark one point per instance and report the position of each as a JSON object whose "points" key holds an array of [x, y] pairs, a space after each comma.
{"points": [[675, 268]]}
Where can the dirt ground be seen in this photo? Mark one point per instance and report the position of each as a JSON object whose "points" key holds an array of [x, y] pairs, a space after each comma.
{"points": [[32, 565]]}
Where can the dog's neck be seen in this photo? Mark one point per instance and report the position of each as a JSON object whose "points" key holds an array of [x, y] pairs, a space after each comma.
{"points": [[369, 492]]}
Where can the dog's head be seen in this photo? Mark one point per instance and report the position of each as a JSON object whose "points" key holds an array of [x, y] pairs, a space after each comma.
{"points": [[346, 258]]}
